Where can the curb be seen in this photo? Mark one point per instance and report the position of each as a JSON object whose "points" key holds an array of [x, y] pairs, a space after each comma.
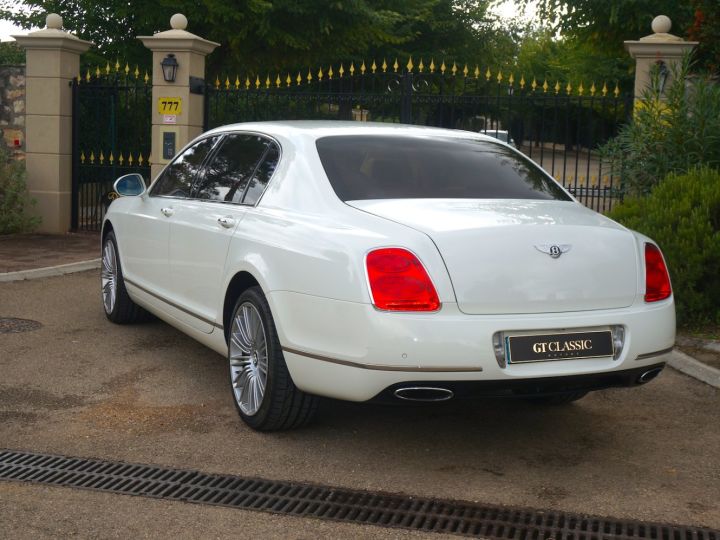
{"points": [[694, 368], [50, 271]]}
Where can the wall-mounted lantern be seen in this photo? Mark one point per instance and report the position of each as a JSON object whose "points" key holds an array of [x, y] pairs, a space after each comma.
{"points": [[169, 68]]}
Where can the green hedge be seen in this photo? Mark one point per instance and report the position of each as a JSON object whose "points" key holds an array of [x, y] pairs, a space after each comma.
{"points": [[682, 214]]}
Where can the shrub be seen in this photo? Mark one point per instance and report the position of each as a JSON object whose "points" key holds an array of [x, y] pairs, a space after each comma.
{"points": [[668, 135], [14, 200], [682, 214]]}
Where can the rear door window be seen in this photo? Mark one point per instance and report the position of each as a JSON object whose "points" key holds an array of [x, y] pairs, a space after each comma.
{"points": [[227, 176], [397, 167], [262, 175]]}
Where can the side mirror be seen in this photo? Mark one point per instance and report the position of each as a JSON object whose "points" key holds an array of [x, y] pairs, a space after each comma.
{"points": [[130, 185]]}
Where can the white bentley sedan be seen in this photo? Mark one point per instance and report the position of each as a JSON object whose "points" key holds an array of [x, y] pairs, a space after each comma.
{"points": [[376, 261]]}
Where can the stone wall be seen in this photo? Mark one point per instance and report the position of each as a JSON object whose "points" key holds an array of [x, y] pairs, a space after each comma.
{"points": [[12, 109]]}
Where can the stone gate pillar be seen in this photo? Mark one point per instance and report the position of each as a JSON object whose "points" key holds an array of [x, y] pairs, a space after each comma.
{"points": [[661, 46], [178, 106], [52, 61]]}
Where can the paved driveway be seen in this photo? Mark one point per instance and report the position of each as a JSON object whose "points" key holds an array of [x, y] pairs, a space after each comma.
{"points": [[83, 386]]}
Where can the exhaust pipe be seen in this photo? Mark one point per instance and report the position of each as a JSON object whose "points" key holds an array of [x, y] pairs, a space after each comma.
{"points": [[649, 375], [423, 393]]}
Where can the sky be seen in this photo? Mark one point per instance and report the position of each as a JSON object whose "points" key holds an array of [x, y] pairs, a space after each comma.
{"points": [[7, 28], [507, 9]]}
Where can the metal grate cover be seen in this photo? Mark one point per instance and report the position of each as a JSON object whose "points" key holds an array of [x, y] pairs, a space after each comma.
{"points": [[325, 502]]}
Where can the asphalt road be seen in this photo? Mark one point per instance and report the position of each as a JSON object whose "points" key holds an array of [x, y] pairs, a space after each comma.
{"points": [[83, 386]]}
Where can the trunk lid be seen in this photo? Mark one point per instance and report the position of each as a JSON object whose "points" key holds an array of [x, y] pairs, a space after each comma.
{"points": [[497, 253]]}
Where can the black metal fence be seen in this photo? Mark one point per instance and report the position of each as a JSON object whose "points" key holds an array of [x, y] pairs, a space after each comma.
{"points": [[112, 113], [560, 126]]}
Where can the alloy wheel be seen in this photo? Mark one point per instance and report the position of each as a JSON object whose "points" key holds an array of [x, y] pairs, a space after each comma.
{"points": [[248, 358], [108, 276]]}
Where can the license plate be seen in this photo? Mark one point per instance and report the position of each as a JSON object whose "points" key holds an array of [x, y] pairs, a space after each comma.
{"points": [[561, 346]]}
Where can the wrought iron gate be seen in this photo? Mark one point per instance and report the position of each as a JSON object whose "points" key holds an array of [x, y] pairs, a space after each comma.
{"points": [[111, 136], [559, 125]]}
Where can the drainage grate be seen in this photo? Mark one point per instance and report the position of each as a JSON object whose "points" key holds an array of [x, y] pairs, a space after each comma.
{"points": [[325, 502], [9, 325]]}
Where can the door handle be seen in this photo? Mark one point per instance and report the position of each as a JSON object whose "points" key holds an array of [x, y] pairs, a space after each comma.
{"points": [[167, 212], [226, 222]]}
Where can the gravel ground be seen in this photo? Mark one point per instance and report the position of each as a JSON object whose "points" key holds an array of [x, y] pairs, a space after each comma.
{"points": [[82, 386]]}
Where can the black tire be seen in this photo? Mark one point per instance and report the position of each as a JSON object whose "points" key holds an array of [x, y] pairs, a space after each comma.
{"points": [[557, 399], [124, 310], [283, 405]]}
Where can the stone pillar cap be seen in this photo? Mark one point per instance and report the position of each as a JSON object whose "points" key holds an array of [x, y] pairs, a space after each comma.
{"points": [[53, 37], [661, 26], [178, 39], [178, 22], [661, 43]]}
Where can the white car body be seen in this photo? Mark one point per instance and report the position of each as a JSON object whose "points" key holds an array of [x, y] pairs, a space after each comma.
{"points": [[306, 249]]}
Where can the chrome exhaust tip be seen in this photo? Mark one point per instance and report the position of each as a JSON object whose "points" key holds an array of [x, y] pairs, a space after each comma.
{"points": [[423, 393], [649, 375]]}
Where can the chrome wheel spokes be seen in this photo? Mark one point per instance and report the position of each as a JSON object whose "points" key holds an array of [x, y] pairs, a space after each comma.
{"points": [[248, 358], [108, 276]]}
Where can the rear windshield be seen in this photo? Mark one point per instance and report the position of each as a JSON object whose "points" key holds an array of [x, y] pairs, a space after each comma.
{"points": [[394, 167]]}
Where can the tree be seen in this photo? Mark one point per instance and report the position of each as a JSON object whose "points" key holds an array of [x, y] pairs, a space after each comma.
{"points": [[545, 56], [706, 30], [464, 31], [260, 36], [601, 26], [605, 24], [593, 31]]}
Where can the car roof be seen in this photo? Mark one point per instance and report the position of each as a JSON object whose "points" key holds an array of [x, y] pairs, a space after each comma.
{"points": [[323, 128]]}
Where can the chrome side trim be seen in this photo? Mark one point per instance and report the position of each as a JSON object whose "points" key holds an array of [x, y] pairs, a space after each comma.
{"points": [[173, 304], [382, 367], [651, 354]]}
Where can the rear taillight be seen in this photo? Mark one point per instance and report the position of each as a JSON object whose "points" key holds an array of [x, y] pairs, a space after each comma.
{"points": [[398, 281], [657, 279]]}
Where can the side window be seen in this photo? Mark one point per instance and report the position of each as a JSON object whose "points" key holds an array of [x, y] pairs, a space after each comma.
{"points": [[263, 174], [228, 173], [178, 177]]}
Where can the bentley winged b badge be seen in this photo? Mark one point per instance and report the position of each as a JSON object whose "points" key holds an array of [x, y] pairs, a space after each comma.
{"points": [[554, 250]]}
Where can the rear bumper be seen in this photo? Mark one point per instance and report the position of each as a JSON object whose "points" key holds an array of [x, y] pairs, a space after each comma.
{"points": [[351, 351], [544, 386]]}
